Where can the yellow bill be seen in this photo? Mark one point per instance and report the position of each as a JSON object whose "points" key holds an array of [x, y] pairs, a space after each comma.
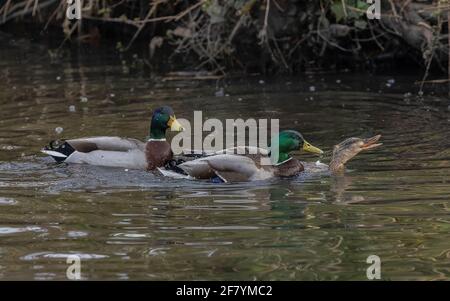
{"points": [[174, 124], [307, 147]]}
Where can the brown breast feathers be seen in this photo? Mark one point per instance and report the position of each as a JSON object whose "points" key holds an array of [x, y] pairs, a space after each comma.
{"points": [[157, 154], [289, 168]]}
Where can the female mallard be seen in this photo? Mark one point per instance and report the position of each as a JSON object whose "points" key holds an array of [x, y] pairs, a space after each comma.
{"points": [[121, 152], [230, 167]]}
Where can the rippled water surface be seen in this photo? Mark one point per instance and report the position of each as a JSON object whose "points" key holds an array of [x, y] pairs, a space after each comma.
{"points": [[393, 202]]}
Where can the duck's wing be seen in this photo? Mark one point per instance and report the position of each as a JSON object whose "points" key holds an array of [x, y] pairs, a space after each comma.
{"points": [[105, 143], [230, 168], [102, 151], [191, 154], [131, 159], [243, 150]]}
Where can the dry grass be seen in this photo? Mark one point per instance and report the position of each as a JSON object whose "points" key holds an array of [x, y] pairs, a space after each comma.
{"points": [[222, 35]]}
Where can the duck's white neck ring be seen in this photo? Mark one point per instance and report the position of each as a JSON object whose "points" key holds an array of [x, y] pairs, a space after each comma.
{"points": [[153, 139], [284, 161]]}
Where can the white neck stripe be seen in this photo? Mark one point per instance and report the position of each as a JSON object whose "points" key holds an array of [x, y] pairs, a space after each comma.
{"points": [[153, 139], [283, 161]]}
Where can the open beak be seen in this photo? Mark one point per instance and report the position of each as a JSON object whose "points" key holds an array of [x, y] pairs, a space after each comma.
{"points": [[311, 149], [174, 124], [371, 142]]}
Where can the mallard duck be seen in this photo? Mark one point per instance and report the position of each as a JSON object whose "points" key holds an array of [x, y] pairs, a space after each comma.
{"points": [[250, 163], [231, 167], [349, 148], [121, 152]]}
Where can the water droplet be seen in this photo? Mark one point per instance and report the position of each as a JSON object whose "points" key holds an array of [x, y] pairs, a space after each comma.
{"points": [[338, 81], [58, 78], [72, 108], [261, 82], [59, 130], [312, 89], [84, 99]]}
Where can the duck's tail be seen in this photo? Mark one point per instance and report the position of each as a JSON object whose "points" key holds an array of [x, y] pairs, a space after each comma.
{"points": [[58, 150]]}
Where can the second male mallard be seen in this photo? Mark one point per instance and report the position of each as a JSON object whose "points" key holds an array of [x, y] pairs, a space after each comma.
{"points": [[121, 152], [251, 163]]}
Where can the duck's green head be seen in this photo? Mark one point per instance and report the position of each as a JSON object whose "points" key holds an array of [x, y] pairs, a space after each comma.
{"points": [[289, 141], [163, 118]]}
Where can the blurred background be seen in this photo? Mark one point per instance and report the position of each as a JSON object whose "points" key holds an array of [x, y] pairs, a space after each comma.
{"points": [[264, 36]]}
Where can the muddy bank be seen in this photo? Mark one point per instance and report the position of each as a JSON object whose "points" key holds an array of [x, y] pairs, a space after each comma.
{"points": [[264, 36]]}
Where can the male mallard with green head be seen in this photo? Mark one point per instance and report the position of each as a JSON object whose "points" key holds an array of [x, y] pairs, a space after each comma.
{"points": [[232, 166], [121, 152]]}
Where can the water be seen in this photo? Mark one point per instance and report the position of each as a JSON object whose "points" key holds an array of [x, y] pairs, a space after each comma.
{"points": [[393, 202]]}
